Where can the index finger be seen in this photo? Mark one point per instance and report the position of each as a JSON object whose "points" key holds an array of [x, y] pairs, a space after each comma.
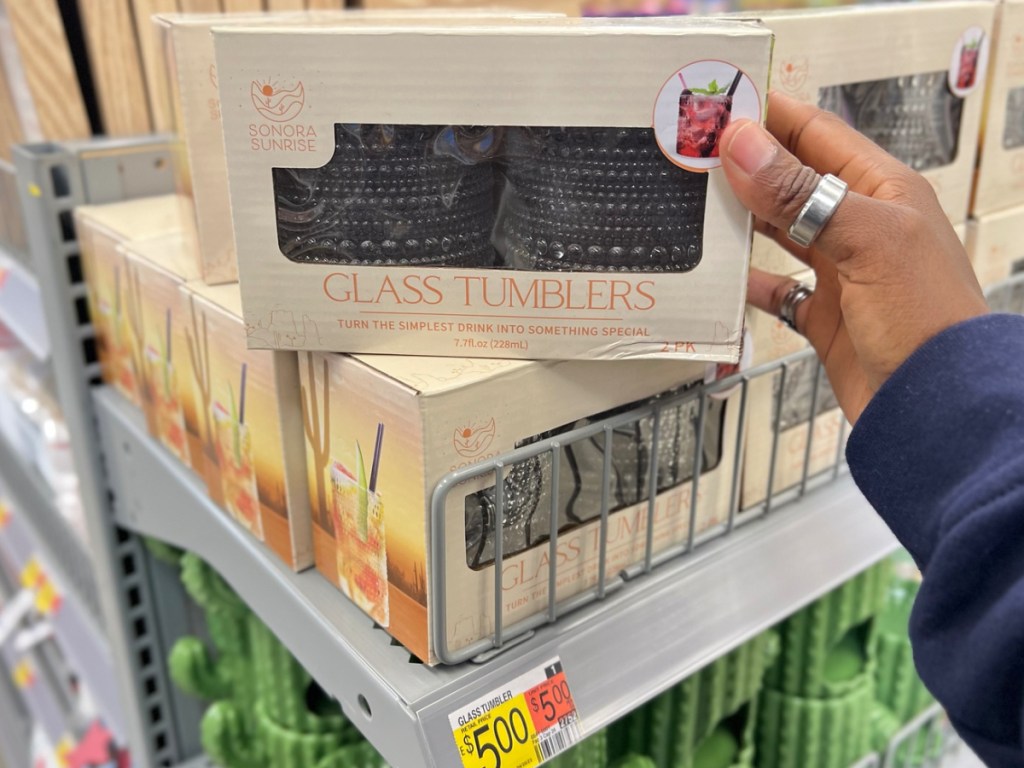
{"points": [[827, 144]]}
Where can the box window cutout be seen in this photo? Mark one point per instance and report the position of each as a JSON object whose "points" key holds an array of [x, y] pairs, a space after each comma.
{"points": [[796, 399], [915, 118], [549, 199], [1013, 133], [527, 485]]}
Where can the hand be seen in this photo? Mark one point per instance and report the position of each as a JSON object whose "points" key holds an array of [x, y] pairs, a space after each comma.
{"points": [[891, 273]]}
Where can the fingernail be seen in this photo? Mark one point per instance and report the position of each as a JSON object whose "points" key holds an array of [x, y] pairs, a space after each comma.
{"points": [[751, 149]]}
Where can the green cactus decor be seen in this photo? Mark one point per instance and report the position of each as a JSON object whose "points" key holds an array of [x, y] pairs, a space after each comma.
{"points": [[164, 552], [795, 732], [226, 737], [898, 686], [591, 752], [361, 755], [707, 720], [266, 710], [826, 647], [634, 761]]}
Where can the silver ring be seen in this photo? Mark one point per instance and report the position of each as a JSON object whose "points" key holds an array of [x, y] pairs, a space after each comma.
{"points": [[797, 294], [818, 209]]}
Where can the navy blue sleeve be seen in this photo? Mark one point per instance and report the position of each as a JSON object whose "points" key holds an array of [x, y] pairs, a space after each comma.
{"points": [[939, 453]]}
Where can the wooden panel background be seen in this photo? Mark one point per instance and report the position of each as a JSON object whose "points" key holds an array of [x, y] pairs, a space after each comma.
{"points": [[45, 57], [116, 66]]}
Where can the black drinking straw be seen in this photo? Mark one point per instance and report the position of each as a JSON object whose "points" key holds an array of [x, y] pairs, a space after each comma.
{"points": [[735, 83], [241, 395], [376, 457]]}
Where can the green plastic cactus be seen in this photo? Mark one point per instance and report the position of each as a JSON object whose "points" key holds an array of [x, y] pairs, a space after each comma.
{"points": [[835, 732], [707, 720], [592, 751], [827, 646], [898, 685], [266, 709], [164, 552], [361, 755], [634, 761], [226, 737], [282, 688]]}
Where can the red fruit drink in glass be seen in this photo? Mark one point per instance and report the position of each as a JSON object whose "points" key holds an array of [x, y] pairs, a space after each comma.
{"points": [[702, 118], [968, 67]]}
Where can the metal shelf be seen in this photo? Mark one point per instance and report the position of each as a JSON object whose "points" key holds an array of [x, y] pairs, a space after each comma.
{"points": [[21, 306], [15, 728], [672, 621], [35, 529]]}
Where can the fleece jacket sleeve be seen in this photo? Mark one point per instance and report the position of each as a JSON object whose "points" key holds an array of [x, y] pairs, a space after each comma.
{"points": [[939, 453]]}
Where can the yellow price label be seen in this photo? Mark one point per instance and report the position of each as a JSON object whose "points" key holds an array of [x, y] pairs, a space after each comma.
{"points": [[503, 737]]}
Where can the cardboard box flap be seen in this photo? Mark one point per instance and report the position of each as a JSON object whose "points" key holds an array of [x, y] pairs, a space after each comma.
{"points": [[170, 254], [526, 24], [226, 298], [136, 219], [432, 375]]}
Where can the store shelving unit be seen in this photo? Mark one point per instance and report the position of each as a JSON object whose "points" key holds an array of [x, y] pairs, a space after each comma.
{"points": [[160, 725], [34, 532], [672, 621], [21, 309], [15, 727], [645, 636]]}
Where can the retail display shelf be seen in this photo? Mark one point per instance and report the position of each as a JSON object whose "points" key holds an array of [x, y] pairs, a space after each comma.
{"points": [[41, 701], [21, 306], [616, 653], [31, 528], [15, 727]]}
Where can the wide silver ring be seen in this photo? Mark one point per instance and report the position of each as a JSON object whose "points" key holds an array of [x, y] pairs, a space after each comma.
{"points": [[817, 211], [797, 294]]}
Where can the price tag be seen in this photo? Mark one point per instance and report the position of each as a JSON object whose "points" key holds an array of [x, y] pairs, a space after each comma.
{"points": [[520, 725]]}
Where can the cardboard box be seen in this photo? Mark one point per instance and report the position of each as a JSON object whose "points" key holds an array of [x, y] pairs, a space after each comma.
{"points": [[115, 310], [773, 340], [381, 102], [201, 168], [246, 424], [155, 271], [1000, 177], [895, 71], [995, 244], [442, 414]]}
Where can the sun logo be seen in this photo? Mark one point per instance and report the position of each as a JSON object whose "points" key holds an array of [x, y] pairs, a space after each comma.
{"points": [[278, 104], [472, 440], [793, 73]]}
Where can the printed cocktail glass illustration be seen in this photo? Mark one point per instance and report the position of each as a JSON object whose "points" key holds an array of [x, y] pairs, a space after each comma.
{"points": [[968, 71], [357, 511], [702, 119], [234, 459], [170, 419]]}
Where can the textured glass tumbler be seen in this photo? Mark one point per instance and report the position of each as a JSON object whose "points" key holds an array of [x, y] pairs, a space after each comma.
{"points": [[798, 393], [527, 487], [915, 118], [598, 199], [392, 195]]}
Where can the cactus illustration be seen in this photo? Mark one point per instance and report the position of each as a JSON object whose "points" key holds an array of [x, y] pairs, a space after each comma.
{"points": [[318, 434], [199, 354]]}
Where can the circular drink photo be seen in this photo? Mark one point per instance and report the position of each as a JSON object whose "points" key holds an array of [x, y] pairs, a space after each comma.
{"points": [[694, 107], [970, 59]]}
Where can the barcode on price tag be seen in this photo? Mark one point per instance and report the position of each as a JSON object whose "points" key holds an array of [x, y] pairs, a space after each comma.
{"points": [[519, 725]]}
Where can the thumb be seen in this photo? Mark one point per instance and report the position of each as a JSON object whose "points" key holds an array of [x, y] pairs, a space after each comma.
{"points": [[774, 185]]}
